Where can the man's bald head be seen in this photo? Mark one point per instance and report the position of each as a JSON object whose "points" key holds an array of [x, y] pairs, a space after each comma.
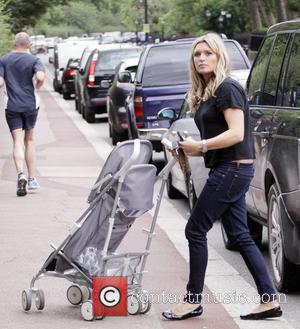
{"points": [[22, 40]]}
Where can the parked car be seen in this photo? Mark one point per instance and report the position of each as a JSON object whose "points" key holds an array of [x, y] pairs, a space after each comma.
{"points": [[273, 199], [182, 183], [162, 80], [81, 69], [116, 97], [52, 41], [38, 44], [97, 75], [62, 53], [68, 78], [274, 97], [81, 66]]}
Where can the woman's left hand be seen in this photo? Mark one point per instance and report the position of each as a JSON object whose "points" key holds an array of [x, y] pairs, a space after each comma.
{"points": [[191, 147]]}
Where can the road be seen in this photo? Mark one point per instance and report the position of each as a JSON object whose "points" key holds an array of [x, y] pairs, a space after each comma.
{"points": [[226, 274]]}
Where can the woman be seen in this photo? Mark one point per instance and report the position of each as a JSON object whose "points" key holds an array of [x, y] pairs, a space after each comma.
{"points": [[222, 116]]}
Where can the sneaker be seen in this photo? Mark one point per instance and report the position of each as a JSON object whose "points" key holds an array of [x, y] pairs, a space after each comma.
{"points": [[21, 185], [33, 184]]}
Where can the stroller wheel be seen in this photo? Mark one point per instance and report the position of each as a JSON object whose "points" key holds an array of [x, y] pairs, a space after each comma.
{"points": [[39, 299], [26, 299], [87, 310], [145, 307], [86, 293], [74, 295], [145, 302], [133, 305]]}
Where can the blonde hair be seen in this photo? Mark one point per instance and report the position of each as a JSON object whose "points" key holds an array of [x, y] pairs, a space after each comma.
{"points": [[200, 90]]}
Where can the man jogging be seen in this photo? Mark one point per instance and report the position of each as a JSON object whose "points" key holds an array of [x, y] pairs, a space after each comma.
{"points": [[18, 70]]}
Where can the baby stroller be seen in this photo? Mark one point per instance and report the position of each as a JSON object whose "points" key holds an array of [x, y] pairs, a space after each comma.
{"points": [[122, 193]]}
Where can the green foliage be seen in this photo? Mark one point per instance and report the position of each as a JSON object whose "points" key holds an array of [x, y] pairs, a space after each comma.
{"points": [[25, 13], [168, 17], [6, 37], [77, 18], [294, 5]]}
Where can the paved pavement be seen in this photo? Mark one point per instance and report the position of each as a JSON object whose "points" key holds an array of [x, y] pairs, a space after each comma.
{"points": [[67, 167]]}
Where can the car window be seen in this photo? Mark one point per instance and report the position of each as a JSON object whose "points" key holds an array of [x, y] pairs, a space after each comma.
{"points": [[108, 60], [85, 57], [291, 90], [167, 66], [237, 60], [132, 69], [272, 76], [185, 112], [258, 70]]}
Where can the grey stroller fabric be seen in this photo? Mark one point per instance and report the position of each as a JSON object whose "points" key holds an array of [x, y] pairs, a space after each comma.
{"points": [[136, 197], [118, 157]]}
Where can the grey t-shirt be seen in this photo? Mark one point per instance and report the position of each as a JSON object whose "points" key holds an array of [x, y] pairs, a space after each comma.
{"points": [[18, 69]]}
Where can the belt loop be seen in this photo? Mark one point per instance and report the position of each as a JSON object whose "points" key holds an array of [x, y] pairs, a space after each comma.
{"points": [[238, 165]]}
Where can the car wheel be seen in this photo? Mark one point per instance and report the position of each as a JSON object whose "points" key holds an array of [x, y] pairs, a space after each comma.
{"points": [[109, 130], [172, 192], [76, 104], [55, 87], [285, 274], [88, 115], [66, 95], [192, 198], [117, 137], [79, 108]]}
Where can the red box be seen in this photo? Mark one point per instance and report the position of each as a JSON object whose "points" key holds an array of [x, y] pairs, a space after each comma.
{"points": [[110, 296]]}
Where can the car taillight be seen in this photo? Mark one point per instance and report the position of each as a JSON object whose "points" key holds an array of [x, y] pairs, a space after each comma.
{"points": [[91, 78], [70, 72], [139, 111]]}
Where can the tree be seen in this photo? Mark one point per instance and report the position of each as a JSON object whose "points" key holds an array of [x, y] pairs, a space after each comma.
{"points": [[280, 6], [6, 37], [76, 18], [25, 13]]}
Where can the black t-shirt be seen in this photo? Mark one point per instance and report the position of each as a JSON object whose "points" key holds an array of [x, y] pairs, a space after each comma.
{"points": [[211, 122]]}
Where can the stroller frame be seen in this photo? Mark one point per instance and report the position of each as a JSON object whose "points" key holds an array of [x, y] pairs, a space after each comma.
{"points": [[80, 293]]}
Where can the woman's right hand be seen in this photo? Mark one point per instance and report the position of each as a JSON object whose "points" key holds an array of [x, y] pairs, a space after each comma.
{"points": [[191, 147]]}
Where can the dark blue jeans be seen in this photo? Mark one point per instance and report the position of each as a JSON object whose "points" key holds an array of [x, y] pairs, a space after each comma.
{"points": [[223, 196]]}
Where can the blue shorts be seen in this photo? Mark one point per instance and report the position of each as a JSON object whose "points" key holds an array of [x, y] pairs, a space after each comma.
{"points": [[21, 120]]}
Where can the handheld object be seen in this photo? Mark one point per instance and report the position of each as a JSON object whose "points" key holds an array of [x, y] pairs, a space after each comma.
{"points": [[180, 136]]}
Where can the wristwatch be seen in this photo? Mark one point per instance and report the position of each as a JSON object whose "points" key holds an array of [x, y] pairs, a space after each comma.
{"points": [[204, 146]]}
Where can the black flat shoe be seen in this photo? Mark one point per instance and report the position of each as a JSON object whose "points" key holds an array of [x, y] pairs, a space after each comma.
{"points": [[171, 316], [275, 312]]}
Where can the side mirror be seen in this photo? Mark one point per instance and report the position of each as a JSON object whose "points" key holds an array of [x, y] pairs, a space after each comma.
{"points": [[124, 76], [51, 60], [167, 113], [81, 71]]}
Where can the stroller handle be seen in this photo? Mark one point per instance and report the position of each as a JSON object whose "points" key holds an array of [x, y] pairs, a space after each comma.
{"points": [[120, 175]]}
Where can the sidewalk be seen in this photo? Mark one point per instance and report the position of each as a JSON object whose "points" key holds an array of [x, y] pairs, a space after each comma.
{"points": [[68, 166]]}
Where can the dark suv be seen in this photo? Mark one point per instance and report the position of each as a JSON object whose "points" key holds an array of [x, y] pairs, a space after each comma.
{"points": [[162, 80], [96, 77], [274, 196]]}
